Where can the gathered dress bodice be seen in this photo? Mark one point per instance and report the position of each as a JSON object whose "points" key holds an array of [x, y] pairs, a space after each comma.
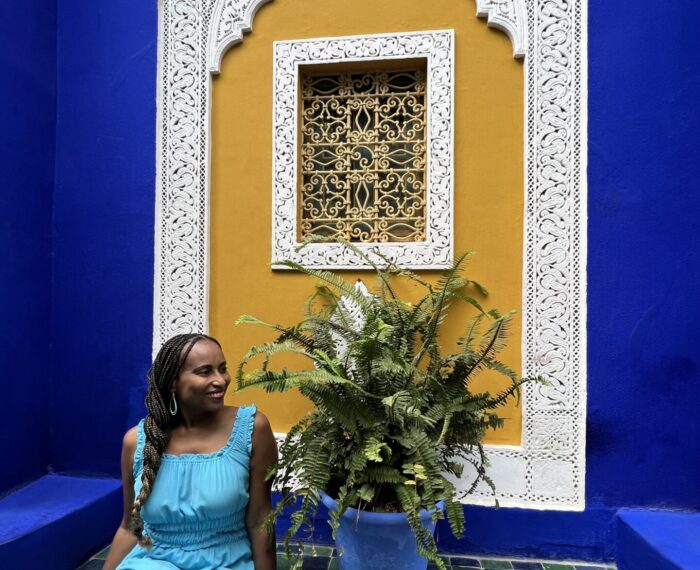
{"points": [[195, 513]]}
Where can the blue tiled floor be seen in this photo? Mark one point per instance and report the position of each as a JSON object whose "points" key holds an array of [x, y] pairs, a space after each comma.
{"points": [[324, 558]]}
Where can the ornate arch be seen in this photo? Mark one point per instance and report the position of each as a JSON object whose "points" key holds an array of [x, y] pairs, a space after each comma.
{"points": [[509, 16], [230, 20], [548, 470]]}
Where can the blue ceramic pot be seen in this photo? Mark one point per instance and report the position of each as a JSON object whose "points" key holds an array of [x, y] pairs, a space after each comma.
{"points": [[378, 541]]}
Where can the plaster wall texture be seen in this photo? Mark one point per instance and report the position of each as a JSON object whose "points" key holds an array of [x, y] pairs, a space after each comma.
{"points": [[643, 261], [488, 182], [27, 116], [103, 229]]}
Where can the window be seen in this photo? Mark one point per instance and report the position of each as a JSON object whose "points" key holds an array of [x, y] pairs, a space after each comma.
{"points": [[363, 155], [363, 149]]}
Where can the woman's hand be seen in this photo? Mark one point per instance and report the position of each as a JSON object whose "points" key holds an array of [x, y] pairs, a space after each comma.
{"points": [[263, 456]]}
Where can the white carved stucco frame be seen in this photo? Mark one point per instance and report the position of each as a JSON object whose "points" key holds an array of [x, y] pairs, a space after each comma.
{"points": [[437, 48], [547, 471]]}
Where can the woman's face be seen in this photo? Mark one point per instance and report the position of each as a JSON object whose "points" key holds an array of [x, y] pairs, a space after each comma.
{"points": [[204, 378]]}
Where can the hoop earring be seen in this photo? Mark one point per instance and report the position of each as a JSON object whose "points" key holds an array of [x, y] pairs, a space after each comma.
{"points": [[173, 405]]}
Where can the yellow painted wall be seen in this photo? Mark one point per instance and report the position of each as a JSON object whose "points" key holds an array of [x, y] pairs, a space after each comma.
{"points": [[488, 173]]}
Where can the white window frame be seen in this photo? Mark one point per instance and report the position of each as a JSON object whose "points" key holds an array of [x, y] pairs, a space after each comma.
{"points": [[437, 48]]}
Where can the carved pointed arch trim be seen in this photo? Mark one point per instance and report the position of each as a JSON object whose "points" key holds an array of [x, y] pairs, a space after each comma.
{"points": [[230, 20], [509, 16], [547, 471]]}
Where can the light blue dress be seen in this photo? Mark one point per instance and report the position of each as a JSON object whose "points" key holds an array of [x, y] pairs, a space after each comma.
{"points": [[196, 511]]}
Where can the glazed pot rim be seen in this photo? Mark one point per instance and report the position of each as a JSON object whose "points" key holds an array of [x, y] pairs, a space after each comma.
{"points": [[378, 518]]}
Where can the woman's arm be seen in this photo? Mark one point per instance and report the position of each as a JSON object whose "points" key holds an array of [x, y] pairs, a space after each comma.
{"points": [[263, 456], [124, 540]]}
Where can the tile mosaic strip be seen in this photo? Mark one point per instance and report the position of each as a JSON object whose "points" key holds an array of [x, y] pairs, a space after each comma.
{"points": [[325, 558]]}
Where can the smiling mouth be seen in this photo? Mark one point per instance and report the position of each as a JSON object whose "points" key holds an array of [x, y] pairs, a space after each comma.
{"points": [[216, 395]]}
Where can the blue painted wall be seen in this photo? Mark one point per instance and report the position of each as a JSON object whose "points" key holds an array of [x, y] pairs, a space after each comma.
{"points": [[27, 116], [644, 255], [103, 228]]}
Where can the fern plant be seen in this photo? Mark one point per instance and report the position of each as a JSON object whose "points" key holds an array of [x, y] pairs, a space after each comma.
{"points": [[392, 414]]}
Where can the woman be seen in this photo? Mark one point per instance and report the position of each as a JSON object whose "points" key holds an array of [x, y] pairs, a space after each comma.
{"points": [[194, 470]]}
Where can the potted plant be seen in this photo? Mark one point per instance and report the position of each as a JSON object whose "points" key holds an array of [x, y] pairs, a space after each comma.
{"points": [[394, 419]]}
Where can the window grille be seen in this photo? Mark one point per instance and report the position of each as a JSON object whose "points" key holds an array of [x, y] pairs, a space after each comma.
{"points": [[363, 156]]}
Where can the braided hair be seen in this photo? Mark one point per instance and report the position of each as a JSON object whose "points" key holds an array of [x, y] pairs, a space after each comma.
{"points": [[159, 422]]}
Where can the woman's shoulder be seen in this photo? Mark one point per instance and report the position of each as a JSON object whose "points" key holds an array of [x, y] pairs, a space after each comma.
{"points": [[260, 420], [262, 440], [242, 406], [130, 439], [130, 447], [242, 410], [255, 416], [260, 427]]}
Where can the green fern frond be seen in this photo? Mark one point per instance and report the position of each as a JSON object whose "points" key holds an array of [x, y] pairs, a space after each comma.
{"points": [[382, 474], [334, 280], [454, 510], [448, 283], [393, 413]]}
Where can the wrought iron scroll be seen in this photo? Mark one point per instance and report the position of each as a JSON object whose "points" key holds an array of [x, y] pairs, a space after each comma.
{"points": [[363, 156]]}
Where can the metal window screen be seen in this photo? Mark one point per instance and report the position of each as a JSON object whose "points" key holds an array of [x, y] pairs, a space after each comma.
{"points": [[363, 155]]}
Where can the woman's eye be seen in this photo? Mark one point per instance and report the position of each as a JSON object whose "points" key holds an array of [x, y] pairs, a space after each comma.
{"points": [[204, 373]]}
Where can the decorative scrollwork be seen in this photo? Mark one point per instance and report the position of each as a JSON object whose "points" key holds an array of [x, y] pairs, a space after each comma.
{"points": [[231, 19], [363, 156], [510, 16], [548, 469], [350, 312]]}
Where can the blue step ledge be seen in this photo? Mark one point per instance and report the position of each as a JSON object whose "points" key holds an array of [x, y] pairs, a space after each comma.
{"points": [[658, 540], [58, 521]]}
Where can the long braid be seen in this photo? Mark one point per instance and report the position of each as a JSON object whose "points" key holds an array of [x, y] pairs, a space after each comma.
{"points": [[158, 423]]}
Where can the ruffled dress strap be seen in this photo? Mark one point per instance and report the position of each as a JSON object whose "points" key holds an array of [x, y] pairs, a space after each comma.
{"points": [[244, 428], [140, 443]]}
